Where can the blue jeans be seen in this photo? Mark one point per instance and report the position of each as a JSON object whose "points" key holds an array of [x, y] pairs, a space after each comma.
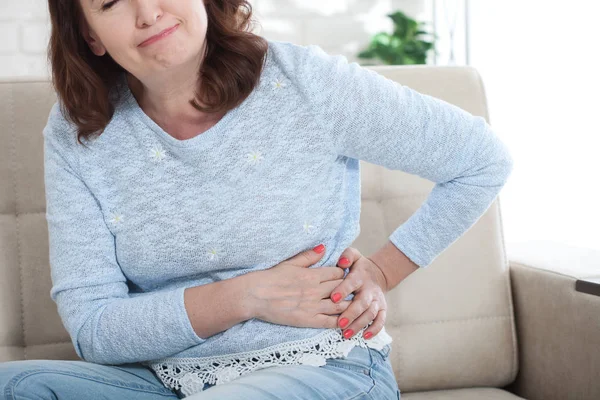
{"points": [[365, 374]]}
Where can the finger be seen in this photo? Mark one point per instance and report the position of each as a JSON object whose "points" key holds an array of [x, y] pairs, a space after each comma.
{"points": [[308, 258], [325, 288], [347, 257], [377, 325], [362, 321], [360, 304], [328, 307], [326, 321], [349, 285], [329, 273]]}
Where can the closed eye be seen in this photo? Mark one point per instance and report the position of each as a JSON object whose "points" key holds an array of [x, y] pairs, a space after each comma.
{"points": [[106, 6]]}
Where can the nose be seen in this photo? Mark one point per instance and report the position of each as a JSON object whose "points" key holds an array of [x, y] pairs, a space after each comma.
{"points": [[148, 12]]}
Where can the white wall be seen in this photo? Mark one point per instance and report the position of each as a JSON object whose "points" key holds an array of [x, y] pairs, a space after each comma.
{"points": [[24, 31], [540, 66], [339, 26]]}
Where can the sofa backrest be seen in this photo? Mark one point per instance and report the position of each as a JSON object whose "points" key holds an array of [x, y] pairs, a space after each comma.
{"points": [[452, 322]]}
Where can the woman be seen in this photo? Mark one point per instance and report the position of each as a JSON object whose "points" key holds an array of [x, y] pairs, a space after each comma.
{"points": [[197, 176]]}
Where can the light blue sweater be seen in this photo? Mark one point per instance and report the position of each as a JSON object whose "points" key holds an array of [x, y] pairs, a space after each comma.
{"points": [[139, 216]]}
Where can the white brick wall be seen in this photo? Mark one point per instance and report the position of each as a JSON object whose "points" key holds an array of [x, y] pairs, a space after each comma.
{"points": [[339, 26], [24, 30]]}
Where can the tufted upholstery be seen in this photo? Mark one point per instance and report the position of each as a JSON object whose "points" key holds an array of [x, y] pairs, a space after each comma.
{"points": [[453, 323]]}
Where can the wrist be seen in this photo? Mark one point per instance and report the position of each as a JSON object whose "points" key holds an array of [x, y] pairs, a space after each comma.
{"points": [[249, 303], [393, 264], [380, 277]]}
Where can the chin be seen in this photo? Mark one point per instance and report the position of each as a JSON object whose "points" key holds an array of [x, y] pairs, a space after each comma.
{"points": [[172, 56], [165, 61]]}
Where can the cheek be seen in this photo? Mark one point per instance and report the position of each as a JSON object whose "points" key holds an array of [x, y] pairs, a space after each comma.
{"points": [[192, 37], [196, 19], [113, 36], [126, 56], [119, 41]]}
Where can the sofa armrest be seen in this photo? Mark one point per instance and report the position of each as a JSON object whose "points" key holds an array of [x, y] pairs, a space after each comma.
{"points": [[556, 298]]}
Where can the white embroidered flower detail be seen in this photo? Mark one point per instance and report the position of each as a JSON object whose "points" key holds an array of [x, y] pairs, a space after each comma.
{"points": [[190, 384], [116, 218], [157, 153], [312, 359], [227, 374], [345, 347], [278, 84], [254, 158], [308, 228], [213, 254]]}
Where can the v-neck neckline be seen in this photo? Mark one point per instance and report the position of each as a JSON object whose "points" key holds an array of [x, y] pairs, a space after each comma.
{"points": [[210, 135]]}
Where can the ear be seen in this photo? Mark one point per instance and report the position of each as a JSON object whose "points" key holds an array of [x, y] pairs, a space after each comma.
{"points": [[92, 40]]}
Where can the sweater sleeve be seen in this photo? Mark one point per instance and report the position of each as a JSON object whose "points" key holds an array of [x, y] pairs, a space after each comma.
{"points": [[376, 119], [105, 324]]}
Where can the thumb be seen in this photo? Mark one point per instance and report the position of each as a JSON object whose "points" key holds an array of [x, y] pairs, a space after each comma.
{"points": [[308, 257]]}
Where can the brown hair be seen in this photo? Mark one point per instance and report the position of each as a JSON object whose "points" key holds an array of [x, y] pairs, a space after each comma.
{"points": [[83, 81]]}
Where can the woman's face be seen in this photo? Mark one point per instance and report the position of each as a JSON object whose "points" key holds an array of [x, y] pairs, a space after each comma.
{"points": [[118, 27]]}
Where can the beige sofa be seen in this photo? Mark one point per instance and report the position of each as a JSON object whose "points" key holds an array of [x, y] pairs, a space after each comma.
{"points": [[473, 325]]}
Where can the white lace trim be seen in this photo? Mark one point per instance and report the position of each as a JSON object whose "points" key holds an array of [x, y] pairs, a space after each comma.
{"points": [[189, 375]]}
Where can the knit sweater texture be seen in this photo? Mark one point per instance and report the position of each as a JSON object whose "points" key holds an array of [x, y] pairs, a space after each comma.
{"points": [[138, 216]]}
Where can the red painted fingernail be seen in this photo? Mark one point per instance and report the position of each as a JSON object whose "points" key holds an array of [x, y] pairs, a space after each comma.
{"points": [[344, 261], [368, 335], [348, 334], [343, 322], [319, 249], [336, 297]]}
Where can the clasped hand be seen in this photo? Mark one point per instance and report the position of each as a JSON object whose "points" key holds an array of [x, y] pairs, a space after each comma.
{"points": [[291, 293], [368, 283]]}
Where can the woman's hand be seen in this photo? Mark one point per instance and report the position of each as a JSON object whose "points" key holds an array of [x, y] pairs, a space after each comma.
{"points": [[291, 293], [368, 283]]}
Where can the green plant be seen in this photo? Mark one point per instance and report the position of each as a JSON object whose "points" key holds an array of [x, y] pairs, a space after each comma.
{"points": [[406, 45]]}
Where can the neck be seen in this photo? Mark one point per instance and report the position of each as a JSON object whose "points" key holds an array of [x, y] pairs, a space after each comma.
{"points": [[165, 96]]}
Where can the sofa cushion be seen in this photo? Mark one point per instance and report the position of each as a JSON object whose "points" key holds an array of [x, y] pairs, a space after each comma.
{"points": [[461, 394]]}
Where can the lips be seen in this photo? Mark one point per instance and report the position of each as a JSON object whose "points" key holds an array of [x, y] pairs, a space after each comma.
{"points": [[158, 36]]}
